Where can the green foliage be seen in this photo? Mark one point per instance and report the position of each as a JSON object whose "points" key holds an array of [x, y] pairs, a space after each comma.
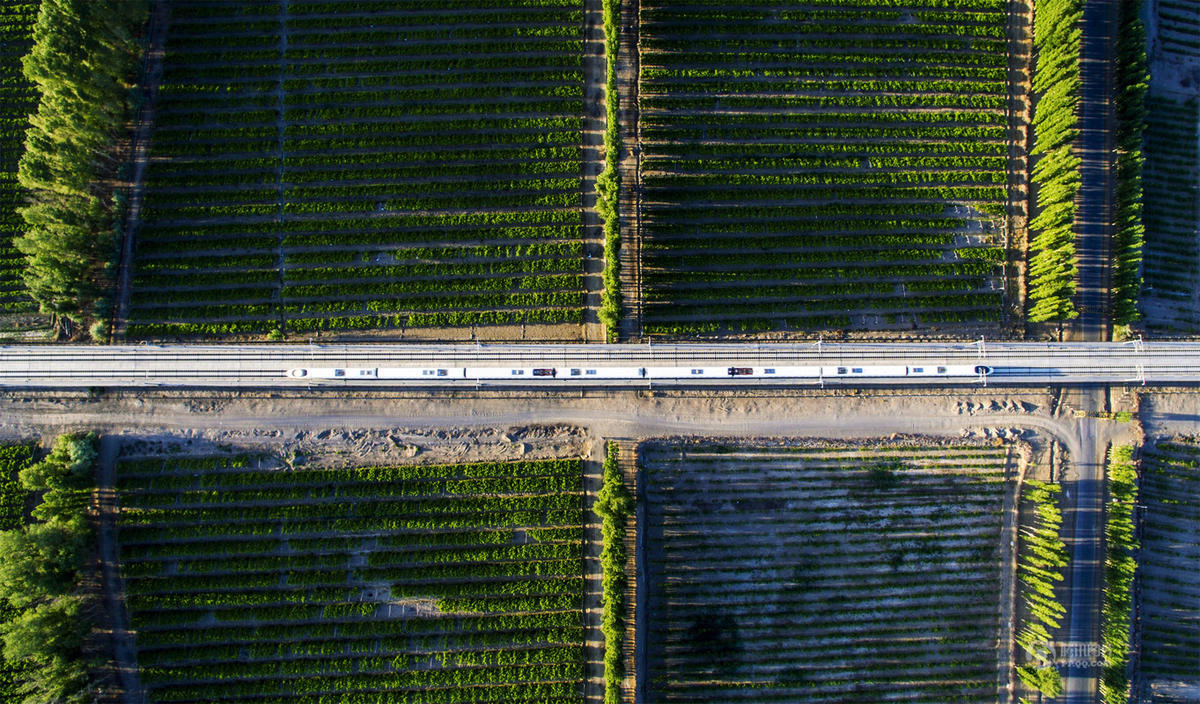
{"points": [[614, 505], [1119, 567], [1045, 679], [810, 166], [249, 580], [68, 465], [65, 477], [1055, 176], [364, 178], [608, 183], [40, 577], [81, 59], [13, 458], [40, 562], [1132, 82], [17, 101], [1043, 559]]}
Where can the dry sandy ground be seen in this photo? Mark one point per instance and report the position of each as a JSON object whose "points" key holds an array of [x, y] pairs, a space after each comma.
{"points": [[397, 424], [510, 425]]}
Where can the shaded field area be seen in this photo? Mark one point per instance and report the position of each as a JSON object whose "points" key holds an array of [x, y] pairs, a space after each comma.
{"points": [[1168, 668], [363, 167], [18, 99], [1172, 212], [1171, 294], [834, 164], [248, 580], [821, 573]]}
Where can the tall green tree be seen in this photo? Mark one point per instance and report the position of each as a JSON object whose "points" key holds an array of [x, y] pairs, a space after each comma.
{"points": [[82, 58]]}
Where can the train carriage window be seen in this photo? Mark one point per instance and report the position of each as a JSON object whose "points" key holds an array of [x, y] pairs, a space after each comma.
{"points": [[918, 370], [574, 372], [591, 372], [841, 370], [697, 371], [443, 372], [856, 370], [941, 370], [339, 372], [768, 371]]}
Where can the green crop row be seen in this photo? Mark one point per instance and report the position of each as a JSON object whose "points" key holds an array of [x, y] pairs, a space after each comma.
{"points": [[337, 611], [355, 136], [759, 122], [18, 99]]}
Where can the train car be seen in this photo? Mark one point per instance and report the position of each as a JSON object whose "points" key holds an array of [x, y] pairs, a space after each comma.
{"points": [[729, 371], [422, 373], [697, 372], [344, 373], [852, 371], [928, 369], [585, 373], [968, 370], [511, 373], [787, 372]]}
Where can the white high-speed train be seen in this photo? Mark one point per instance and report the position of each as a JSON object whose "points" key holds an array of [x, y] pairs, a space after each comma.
{"points": [[552, 374]]}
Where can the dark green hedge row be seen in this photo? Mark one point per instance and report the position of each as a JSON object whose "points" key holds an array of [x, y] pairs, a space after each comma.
{"points": [[1055, 177], [614, 505], [1132, 81], [608, 183]]}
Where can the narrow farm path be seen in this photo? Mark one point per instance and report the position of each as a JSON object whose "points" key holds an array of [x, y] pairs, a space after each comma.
{"points": [[160, 17], [280, 130], [629, 196], [1084, 512], [593, 605], [1020, 114], [633, 688], [123, 649], [1097, 123], [594, 118], [1014, 480]]}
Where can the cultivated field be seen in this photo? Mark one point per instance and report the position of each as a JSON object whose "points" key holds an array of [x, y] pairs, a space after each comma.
{"points": [[1172, 192], [1168, 569], [1171, 299], [13, 458], [838, 164], [251, 581], [821, 573], [1178, 26], [366, 166], [17, 101]]}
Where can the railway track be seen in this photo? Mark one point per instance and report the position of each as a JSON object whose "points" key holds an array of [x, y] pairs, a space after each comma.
{"points": [[265, 365]]}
